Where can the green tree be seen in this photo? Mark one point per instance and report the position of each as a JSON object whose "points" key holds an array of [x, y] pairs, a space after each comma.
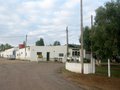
{"points": [[106, 37], [86, 38], [56, 43], [4, 47], [40, 42]]}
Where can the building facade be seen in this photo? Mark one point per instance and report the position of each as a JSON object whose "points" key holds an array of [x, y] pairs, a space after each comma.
{"points": [[9, 53], [44, 53]]}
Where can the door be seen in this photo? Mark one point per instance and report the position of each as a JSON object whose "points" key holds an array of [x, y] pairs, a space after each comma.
{"points": [[48, 56]]}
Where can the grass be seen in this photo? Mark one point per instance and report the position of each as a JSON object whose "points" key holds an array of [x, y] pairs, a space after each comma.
{"points": [[98, 81], [103, 70]]}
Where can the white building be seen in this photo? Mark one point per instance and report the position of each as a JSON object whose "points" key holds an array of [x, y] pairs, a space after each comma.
{"points": [[9, 53], [43, 53], [46, 53]]}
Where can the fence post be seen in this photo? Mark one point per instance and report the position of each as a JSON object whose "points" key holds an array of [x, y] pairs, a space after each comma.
{"points": [[109, 73]]}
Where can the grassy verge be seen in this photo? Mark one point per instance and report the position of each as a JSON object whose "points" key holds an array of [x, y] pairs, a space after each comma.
{"points": [[98, 81], [103, 70]]}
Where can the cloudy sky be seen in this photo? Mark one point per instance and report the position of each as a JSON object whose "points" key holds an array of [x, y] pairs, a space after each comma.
{"points": [[43, 18]]}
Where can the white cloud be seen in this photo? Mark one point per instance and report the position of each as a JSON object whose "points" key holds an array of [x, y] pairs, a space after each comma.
{"points": [[43, 4], [44, 18]]}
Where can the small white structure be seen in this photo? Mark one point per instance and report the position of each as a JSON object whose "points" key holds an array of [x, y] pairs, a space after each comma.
{"points": [[9, 53], [76, 67]]}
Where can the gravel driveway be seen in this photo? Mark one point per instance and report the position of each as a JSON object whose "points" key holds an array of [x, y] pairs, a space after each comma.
{"points": [[19, 75]]}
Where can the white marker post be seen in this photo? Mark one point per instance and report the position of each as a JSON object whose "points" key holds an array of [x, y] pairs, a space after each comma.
{"points": [[109, 73]]}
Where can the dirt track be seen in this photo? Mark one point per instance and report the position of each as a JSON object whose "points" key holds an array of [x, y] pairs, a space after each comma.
{"points": [[19, 75]]}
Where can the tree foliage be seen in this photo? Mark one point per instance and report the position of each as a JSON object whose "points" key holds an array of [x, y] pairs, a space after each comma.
{"points": [[5, 46], [107, 23], [40, 42], [105, 34], [86, 37], [56, 43]]}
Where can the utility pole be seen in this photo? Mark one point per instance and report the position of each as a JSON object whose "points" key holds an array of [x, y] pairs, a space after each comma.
{"points": [[91, 41], [25, 44], [81, 48], [67, 40]]}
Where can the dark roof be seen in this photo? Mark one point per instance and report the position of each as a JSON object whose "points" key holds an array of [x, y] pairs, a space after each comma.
{"points": [[73, 46]]}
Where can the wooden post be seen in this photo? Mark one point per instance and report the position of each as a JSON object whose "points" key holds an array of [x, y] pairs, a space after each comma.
{"points": [[81, 48], [67, 41]]}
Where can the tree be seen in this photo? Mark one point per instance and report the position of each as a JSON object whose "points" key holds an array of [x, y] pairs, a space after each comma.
{"points": [[86, 38], [4, 47], [40, 42], [105, 37], [56, 43], [105, 33]]}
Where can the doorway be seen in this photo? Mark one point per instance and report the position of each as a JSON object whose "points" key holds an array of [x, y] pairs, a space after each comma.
{"points": [[48, 56]]}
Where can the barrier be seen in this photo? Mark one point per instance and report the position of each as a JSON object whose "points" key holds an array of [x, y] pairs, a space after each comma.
{"points": [[76, 67]]}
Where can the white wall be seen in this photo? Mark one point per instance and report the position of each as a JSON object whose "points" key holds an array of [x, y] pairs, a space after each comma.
{"points": [[20, 54], [2, 54], [8, 53], [76, 67], [32, 53], [53, 50]]}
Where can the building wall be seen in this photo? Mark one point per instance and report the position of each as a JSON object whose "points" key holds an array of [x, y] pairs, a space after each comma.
{"points": [[2, 54], [54, 52], [10, 53], [76, 67], [20, 54]]}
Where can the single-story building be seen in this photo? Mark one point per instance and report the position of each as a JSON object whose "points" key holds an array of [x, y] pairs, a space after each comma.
{"points": [[44, 53], [9, 53]]}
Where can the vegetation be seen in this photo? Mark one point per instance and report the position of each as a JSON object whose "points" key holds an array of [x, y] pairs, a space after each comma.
{"points": [[40, 42], [56, 43], [103, 70], [87, 39], [104, 35], [97, 81], [5, 46], [86, 60]]}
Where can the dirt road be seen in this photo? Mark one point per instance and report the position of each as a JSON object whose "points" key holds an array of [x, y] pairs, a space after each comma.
{"points": [[16, 75]]}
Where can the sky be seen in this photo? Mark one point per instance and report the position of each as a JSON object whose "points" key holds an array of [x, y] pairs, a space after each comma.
{"points": [[45, 19]]}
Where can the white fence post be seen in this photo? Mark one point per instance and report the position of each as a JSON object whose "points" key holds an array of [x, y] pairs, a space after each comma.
{"points": [[93, 66], [109, 73]]}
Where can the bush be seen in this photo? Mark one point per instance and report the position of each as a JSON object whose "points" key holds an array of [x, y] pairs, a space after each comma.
{"points": [[86, 60]]}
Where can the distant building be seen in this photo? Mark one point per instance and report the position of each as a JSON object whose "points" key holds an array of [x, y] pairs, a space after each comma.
{"points": [[44, 53], [9, 53]]}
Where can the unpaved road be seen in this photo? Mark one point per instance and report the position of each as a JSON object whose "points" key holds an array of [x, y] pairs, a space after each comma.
{"points": [[19, 75]]}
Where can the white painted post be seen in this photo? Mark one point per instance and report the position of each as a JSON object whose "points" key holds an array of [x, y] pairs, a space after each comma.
{"points": [[93, 69], [109, 73]]}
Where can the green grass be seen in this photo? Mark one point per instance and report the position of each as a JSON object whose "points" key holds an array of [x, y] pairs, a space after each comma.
{"points": [[103, 70]]}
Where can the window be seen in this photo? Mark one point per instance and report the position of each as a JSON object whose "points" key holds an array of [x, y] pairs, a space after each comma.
{"points": [[75, 53], [61, 54], [39, 55], [78, 53]]}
